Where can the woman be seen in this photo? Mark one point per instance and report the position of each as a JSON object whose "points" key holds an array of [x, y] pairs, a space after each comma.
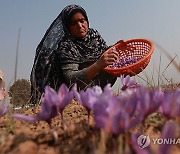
{"points": [[71, 52]]}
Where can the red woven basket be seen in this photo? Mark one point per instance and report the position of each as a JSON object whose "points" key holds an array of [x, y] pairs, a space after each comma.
{"points": [[140, 49]]}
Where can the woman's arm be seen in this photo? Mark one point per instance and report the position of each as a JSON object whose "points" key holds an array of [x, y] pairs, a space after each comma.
{"points": [[73, 74]]}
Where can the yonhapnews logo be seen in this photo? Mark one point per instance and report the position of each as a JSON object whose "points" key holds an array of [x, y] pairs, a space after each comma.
{"points": [[143, 141]]}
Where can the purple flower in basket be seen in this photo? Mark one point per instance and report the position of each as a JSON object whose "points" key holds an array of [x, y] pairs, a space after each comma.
{"points": [[3, 110], [49, 108], [171, 104], [124, 62]]}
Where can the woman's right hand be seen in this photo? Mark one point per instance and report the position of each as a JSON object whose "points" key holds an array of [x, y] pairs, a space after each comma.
{"points": [[107, 58]]}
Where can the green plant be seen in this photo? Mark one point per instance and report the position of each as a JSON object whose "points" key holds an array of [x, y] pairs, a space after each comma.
{"points": [[20, 93]]}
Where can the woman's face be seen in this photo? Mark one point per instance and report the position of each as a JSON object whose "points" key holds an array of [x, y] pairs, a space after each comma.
{"points": [[78, 26]]}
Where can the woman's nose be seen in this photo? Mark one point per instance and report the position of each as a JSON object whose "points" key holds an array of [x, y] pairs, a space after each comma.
{"points": [[79, 24]]}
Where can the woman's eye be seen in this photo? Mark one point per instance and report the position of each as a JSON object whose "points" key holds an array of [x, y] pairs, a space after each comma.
{"points": [[73, 23], [82, 20]]}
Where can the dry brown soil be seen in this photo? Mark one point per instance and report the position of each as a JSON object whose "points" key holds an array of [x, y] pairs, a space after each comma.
{"points": [[77, 137]]}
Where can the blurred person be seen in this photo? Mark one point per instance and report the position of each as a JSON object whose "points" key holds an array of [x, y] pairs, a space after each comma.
{"points": [[2, 86]]}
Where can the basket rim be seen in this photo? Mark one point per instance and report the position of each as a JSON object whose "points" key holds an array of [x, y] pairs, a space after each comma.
{"points": [[139, 61]]}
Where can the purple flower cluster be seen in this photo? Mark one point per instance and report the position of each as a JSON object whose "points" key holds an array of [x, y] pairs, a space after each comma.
{"points": [[118, 113], [52, 104], [124, 62], [113, 113]]}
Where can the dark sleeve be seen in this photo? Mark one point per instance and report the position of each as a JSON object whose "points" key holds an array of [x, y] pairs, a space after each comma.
{"points": [[72, 74]]}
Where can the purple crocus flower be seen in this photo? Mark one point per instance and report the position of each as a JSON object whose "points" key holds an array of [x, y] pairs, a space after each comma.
{"points": [[65, 96], [149, 100], [49, 108], [108, 90], [100, 111], [127, 83], [102, 107], [171, 104], [124, 118], [3, 110], [114, 113], [169, 131], [88, 97]]}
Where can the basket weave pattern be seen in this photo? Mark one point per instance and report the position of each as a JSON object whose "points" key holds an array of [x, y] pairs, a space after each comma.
{"points": [[140, 49]]}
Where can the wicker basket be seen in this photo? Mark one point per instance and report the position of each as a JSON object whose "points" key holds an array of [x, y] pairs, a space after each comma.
{"points": [[140, 49]]}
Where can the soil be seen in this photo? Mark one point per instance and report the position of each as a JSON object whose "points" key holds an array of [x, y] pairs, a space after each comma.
{"points": [[76, 137]]}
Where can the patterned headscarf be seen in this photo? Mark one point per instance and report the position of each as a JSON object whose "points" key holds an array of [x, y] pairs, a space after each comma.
{"points": [[74, 50], [59, 27]]}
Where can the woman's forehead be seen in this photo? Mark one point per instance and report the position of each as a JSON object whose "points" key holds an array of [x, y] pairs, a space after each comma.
{"points": [[77, 16]]}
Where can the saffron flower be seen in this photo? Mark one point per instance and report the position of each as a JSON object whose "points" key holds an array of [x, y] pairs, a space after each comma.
{"points": [[169, 132], [127, 83], [149, 101], [171, 104], [88, 97], [49, 108], [115, 114], [124, 117], [52, 103], [65, 96]]}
